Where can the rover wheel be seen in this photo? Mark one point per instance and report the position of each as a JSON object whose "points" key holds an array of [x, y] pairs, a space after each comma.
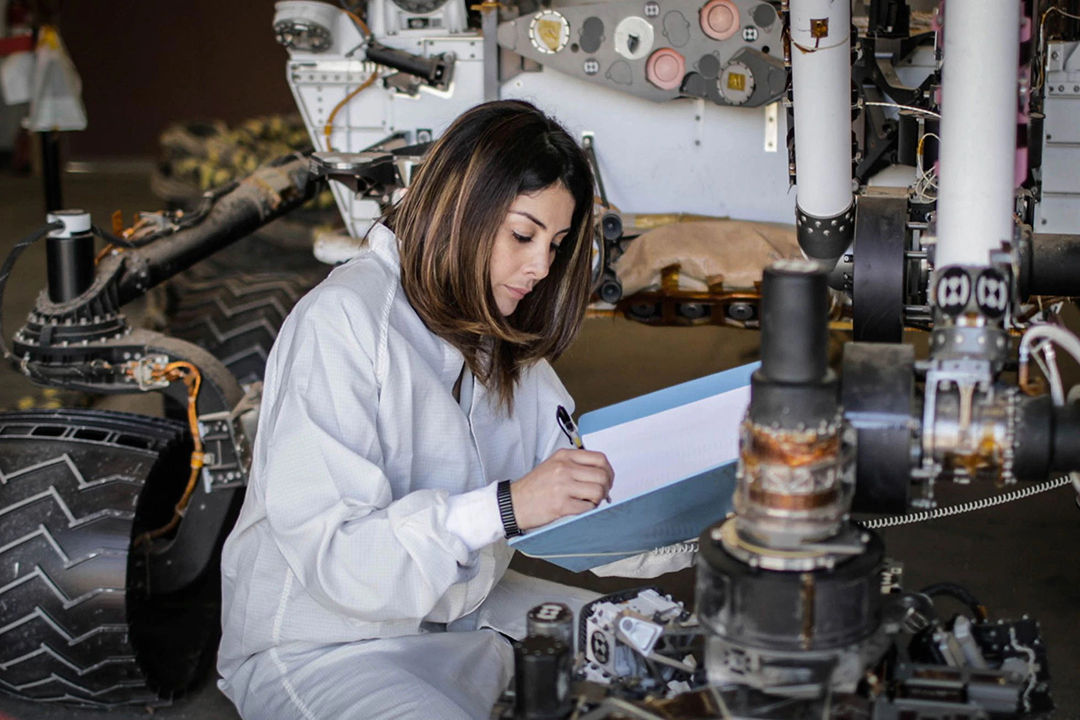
{"points": [[77, 622], [236, 316]]}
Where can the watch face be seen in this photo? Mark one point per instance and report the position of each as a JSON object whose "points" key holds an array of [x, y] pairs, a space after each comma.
{"points": [[419, 7], [549, 31]]}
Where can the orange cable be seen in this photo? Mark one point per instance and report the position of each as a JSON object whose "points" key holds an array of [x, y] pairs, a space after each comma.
{"points": [[192, 378], [329, 127]]}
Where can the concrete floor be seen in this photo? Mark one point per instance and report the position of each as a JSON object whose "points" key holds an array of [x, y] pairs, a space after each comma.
{"points": [[1017, 559]]}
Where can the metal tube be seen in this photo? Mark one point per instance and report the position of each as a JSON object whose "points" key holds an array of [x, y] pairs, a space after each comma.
{"points": [[821, 87], [978, 130], [794, 323], [69, 256], [268, 193], [1050, 265], [50, 170]]}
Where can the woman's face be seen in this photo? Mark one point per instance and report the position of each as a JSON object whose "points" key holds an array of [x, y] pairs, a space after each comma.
{"points": [[526, 241]]}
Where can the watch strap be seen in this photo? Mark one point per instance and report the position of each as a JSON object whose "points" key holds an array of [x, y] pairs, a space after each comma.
{"points": [[506, 510]]}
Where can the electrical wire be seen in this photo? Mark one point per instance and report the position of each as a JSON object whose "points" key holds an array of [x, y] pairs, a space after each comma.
{"points": [[895, 520], [365, 31], [328, 129], [912, 108], [1047, 361], [1053, 333], [192, 378], [1042, 43], [922, 140], [980, 504], [958, 592], [925, 182], [9, 265]]}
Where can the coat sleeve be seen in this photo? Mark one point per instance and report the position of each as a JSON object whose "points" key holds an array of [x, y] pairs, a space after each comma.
{"points": [[328, 503]]}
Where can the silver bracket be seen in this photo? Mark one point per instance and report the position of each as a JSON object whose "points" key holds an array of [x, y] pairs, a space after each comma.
{"points": [[228, 440], [141, 371]]}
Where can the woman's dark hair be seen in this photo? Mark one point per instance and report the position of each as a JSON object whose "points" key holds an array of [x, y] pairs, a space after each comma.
{"points": [[446, 226]]}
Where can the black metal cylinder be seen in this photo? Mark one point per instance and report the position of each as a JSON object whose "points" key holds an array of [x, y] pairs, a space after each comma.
{"points": [[1033, 444], [1047, 438], [50, 170], [433, 70], [1050, 265], [1066, 442], [794, 388], [551, 619], [69, 265], [789, 611], [825, 238], [542, 667], [794, 322]]}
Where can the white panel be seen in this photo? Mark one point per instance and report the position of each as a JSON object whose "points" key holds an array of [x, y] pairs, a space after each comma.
{"points": [[1058, 214], [1060, 163], [1062, 124], [680, 156]]}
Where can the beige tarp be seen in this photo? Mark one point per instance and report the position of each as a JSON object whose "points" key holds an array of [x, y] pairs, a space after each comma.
{"points": [[735, 251]]}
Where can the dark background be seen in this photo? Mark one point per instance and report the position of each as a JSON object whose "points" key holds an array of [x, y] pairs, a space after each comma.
{"points": [[146, 64]]}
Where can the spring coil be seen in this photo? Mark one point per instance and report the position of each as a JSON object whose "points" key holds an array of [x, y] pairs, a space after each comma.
{"points": [[979, 504], [936, 513]]}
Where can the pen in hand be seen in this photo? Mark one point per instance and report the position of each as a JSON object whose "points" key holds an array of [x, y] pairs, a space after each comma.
{"points": [[566, 423], [569, 428]]}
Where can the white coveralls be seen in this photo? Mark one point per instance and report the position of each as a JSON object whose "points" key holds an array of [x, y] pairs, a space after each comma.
{"points": [[370, 521]]}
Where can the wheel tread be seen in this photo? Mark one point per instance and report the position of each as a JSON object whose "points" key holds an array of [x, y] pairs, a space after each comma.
{"points": [[67, 506]]}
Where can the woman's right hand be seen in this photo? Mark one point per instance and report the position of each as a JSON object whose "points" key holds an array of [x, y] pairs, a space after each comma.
{"points": [[567, 483]]}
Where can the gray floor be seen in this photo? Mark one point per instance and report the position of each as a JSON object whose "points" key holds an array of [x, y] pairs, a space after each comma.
{"points": [[1017, 559]]}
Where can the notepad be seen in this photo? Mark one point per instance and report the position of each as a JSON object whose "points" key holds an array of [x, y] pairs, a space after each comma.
{"points": [[673, 452]]}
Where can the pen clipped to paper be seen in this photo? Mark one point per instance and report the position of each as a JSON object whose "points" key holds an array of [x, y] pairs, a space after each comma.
{"points": [[569, 428]]}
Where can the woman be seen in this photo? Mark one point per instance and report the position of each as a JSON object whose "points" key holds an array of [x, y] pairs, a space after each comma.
{"points": [[363, 576]]}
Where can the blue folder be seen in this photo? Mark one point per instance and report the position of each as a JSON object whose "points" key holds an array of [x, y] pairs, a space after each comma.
{"points": [[674, 512]]}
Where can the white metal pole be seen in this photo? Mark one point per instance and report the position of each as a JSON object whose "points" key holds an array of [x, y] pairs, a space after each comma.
{"points": [[821, 89], [978, 130]]}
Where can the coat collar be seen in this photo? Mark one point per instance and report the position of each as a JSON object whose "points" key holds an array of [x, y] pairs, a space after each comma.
{"points": [[384, 243]]}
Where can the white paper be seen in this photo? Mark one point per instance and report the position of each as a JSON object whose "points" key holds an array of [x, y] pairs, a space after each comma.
{"points": [[652, 451]]}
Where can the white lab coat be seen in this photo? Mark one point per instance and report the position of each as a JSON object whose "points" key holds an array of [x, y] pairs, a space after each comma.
{"points": [[370, 519]]}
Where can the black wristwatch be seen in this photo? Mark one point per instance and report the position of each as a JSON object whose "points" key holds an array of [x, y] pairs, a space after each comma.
{"points": [[506, 510]]}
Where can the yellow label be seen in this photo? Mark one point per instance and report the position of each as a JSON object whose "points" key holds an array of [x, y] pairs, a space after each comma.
{"points": [[550, 31], [736, 81]]}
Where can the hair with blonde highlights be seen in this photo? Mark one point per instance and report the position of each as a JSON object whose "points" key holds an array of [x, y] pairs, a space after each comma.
{"points": [[446, 226]]}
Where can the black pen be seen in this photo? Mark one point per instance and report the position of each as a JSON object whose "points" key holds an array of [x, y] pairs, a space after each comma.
{"points": [[569, 428], [566, 423]]}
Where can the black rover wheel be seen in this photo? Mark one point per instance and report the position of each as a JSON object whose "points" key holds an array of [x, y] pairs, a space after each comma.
{"points": [[77, 622], [237, 316]]}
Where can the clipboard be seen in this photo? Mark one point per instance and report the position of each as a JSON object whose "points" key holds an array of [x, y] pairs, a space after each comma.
{"points": [[674, 454]]}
